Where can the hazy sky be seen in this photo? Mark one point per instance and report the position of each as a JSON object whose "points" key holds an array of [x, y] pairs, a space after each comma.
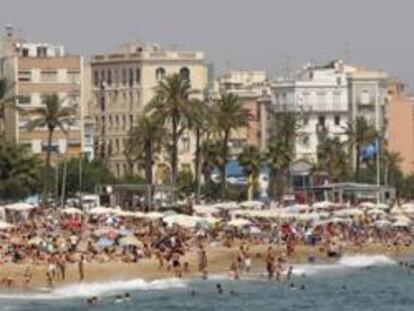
{"points": [[260, 34]]}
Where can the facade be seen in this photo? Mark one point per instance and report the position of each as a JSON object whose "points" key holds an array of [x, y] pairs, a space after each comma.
{"points": [[330, 97], [37, 69], [400, 113], [253, 90], [123, 83]]}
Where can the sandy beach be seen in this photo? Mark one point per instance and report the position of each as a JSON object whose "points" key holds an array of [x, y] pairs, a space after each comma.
{"points": [[219, 259]]}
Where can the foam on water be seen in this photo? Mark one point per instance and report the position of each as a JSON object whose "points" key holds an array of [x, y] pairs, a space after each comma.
{"points": [[345, 263], [97, 289]]}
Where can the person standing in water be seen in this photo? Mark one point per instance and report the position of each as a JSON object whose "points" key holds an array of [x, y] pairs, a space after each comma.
{"points": [[81, 267]]}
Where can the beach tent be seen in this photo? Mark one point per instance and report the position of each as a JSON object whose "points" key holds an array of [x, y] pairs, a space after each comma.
{"points": [[130, 241], [20, 207], [4, 225]]}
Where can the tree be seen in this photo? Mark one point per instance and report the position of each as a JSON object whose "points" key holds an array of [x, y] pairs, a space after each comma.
{"points": [[19, 172], [211, 158], [54, 114], [360, 133], [200, 124], [332, 158], [93, 173], [251, 160], [7, 100], [144, 141], [277, 159], [391, 164], [228, 115], [171, 105]]}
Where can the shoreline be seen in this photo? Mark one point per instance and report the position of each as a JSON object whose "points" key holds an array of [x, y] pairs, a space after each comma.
{"points": [[219, 259]]}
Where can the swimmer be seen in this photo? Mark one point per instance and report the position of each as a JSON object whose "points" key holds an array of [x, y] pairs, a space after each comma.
{"points": [[127, 296], [233, 293], [118, 299], [193, 292], [302, 287], [344, 287], [292, 286], [219, 289]]}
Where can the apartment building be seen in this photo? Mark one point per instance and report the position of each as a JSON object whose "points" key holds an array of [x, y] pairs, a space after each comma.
{"points": [[331, 96], [253, 90], [123, 83], [36, 69]]}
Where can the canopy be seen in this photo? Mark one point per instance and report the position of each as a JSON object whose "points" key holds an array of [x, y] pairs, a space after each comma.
{"points": [[20, 207]]}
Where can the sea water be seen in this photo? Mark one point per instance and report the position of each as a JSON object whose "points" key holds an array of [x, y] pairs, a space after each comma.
{"points": [[354, 283]]}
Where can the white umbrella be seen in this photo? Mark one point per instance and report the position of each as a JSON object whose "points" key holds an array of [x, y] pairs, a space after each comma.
{"points": [[252, 204], [4, 225], [19, 207], [408, 205], [101, 211], [205, 209], [382, 206], [382, 223], [227, 205], [367, 205], [184, 221], [153, 215], [240, 222], [401, 224], [322, 205], [72, 211]]}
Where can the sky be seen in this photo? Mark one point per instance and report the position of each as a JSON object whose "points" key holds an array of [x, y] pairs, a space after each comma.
{"points": [[271, 35]]}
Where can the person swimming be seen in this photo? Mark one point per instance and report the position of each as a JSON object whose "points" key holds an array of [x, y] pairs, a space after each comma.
{"points": [[292, 286], [193, 292], [219, 289], [119, 299], [127, 296], [302, 287], [233, 293]]}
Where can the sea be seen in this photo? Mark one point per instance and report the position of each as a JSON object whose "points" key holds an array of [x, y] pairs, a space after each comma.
{"points": [[354, 283]]}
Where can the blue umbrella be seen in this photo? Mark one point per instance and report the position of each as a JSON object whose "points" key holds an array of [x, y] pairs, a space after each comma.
{"points": [[104, 242]]}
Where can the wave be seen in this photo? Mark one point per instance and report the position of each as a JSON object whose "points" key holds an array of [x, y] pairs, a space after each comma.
{"points": [[344, 263], [83, 290]]}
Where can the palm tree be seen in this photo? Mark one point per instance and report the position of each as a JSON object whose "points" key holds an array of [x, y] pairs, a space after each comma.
{"points": [[211, 158], [228, 115], [278, 158], [171, 105], [360, 133], [392, 162], [144, 141], [251, 160], [54, 114], [200, 123], [7, 100]]}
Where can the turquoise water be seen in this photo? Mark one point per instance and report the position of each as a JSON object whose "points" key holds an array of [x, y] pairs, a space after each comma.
{"points": [[355, 284]]}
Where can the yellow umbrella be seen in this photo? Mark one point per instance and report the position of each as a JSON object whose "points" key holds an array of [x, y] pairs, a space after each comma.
{"points": [[130, 241]]}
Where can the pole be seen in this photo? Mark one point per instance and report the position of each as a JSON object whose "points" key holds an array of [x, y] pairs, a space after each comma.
{"points": [[377, 127]]}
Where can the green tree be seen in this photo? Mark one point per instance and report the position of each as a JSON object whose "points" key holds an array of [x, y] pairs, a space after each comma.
{"points": [[7, 100], [54, 114], [19, 172], [144, 142], [228, 116], [186, 183], [93, 173], [171, 105], [360, 133], [251, 160]]}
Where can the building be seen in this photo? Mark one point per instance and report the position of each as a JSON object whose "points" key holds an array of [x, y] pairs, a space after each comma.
{"points": [[123, 83], [400, 113], [37, 69], [253, 90], [330, 97]]}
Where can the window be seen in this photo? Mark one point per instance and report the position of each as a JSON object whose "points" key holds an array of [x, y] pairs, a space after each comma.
{"points": [[124, 122], [159, 74], [124, 76], [338, 80], [24, 100], [321, 121], [116, 76], [131, 77], [25, 76], [41, 51], [109, 78], [138, 76], [337, 120], [185, 73], [102, 77], [186, 144], [116, 122], [131, 121], [117, 146], [110, 124], [48, 76], [25, 52], [96, 78]]}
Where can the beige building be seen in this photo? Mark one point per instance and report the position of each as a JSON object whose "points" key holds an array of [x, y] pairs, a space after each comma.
{"points": [[401, 126], [123, 83], [253, 90], [37, 69]]}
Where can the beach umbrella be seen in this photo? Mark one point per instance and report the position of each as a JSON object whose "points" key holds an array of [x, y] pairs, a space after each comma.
{"points": [[252, 204], [255, 230], [367, 205], [401, 224], [184, 221], [376, 212], [169, 213], [104, 242], [382, 223], [153, 215], [382, 206], [72, 211], [4, 225], [397, 210], [240, 222], [408, 205], [227, 205], [130, 241], [205, 209], [322, 205], [35, 241], [101, 211], [402, 218], [20, 207]]}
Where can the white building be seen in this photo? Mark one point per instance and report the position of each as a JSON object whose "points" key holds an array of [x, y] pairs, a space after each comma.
{"points": [[330, 97]]}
